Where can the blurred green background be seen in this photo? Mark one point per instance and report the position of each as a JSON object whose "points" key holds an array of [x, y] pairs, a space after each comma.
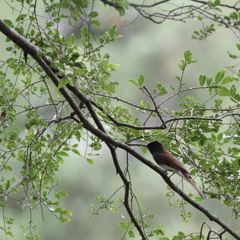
{"points": [[154, 51]]}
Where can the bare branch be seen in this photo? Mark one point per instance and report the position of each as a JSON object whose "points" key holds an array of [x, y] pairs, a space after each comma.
{"points": [[127, 189], [220, 4]]}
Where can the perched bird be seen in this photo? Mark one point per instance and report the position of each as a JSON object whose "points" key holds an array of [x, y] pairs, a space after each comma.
{"points": [[169, 163]]}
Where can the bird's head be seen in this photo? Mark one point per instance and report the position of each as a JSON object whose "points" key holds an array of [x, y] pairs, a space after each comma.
{"points": [[155, 146]]}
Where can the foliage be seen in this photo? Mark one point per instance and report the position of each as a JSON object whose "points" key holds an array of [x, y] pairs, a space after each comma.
{"points": [[42, 124]]}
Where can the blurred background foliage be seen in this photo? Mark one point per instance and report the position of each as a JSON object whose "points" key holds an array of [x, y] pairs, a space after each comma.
{"points": [[153, 50]]}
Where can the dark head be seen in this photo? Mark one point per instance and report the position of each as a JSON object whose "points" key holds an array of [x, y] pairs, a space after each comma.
{"points": [[155, 146]]}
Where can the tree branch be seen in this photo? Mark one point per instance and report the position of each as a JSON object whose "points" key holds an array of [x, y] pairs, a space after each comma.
{"points": [[127, 188], [220, 4], [155, 105], [117, 5]]}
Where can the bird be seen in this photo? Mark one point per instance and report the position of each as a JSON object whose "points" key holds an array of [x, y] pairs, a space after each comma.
{"points": [[169, 163]]}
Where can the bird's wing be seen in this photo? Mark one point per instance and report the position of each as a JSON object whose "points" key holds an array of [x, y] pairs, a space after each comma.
{"points": [[166, 158], [169, 161]]}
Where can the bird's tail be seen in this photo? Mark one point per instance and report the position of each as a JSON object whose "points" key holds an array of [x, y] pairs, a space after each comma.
{"points": [[187, 177]]}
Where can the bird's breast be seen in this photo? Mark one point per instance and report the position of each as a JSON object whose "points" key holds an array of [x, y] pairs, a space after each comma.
{"points": [[168, 168]]}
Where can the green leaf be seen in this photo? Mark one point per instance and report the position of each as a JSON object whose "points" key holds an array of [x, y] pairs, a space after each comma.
{"points": [[74, 57], [8, 22], [233, 56], [21, 17], [123, 225], [84, 31], [121, 11], [219, 76], [162, 90], [90, 160], [32, 33], [8, 184], [227, 79], [12, 134], [78, 135], [136, 132], [133, 81], [148, 105], [234, 151], [76, 152], [140, 80], [20, 30], [181, 234], [237, 97], [202, 79], [223, 91], [215, 3], [93, 14], [151, 215], [209, 80], [201, 142], [195, 138], [213, 137], [146, 225], [62, 193], [233, 91], [159, 86], [188, 56], [196, 32], [181, 64], [17, 128], [178, 78], [131, 234], [96, 23], [219, 136], [9, 49], [62, 82], [113, 31], [194, 171], [66, 149], [3, 205], [238, 46], [63, 211], [31, 122], [61, 153], [72, 39], [144, 150], [62, 220], [234, 16]]}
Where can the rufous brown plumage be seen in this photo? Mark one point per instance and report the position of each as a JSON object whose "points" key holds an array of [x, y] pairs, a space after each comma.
{"points": [[169, 163]]}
